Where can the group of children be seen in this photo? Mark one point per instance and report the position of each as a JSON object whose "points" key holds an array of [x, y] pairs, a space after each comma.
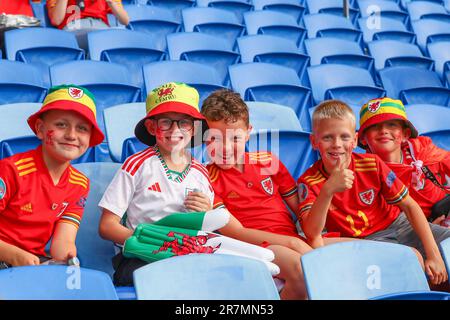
{"points": [[386, 194]]}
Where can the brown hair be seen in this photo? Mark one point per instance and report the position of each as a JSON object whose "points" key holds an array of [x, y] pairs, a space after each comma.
{"points": [[227, 105], [332, 109]]}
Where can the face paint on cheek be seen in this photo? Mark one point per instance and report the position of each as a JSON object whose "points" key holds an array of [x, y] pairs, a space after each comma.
{"points": [[49, 138]]}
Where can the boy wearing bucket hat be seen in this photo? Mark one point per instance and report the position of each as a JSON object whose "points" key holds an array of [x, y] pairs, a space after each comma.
{"points": [[359, 196], [162, 179], [424, 168], [41, 195]]}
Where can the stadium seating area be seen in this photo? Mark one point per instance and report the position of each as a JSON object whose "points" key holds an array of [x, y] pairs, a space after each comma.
{"points": [[283, 57]]}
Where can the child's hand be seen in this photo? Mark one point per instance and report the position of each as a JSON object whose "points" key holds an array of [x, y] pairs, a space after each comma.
{"points": [[438, 220], [24, 258], [435, 270], [63, 251], [340, 179], [197, 201]]}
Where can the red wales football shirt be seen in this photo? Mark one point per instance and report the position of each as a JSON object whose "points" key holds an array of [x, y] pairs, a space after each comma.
{"points": [[31, 205], [421, 189], [255, 196], [366, 208]]}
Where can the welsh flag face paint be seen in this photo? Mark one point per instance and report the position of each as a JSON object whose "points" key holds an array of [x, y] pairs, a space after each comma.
{"points": [[186, 233]]}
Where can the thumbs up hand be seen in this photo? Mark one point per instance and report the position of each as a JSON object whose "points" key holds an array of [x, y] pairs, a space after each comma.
{"points": [[341, 178]]}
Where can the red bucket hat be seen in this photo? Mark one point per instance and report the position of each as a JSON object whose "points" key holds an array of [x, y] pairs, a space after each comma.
{"points": [[71, 98]]}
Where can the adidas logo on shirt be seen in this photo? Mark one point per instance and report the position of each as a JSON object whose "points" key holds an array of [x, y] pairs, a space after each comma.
{"points": [[155, 187], [27, 208]]}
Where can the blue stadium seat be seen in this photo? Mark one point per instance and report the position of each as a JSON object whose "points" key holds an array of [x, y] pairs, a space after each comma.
{"points": [[21, 82], [331, 7], [381, 28], [120, 121], [271, 49], [274, 23], [384, 8], [157, 22], [293, 148], [173, 5], [92, 251], [55, 283], [355, 86], [291, 7], [428, 31], [391, 53], [270, 83], [413, 86], [132, 49], [213, 21], [204, 78], [327, 25], [40, 12], [205, 49], [238, 7], [205, 276], [271, 116], [366, 270], [445, 251], [338, 51], [419, 9], [440, 53], [432, 121]]}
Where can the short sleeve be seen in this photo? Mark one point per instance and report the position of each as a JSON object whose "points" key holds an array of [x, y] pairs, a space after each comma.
{"points": [[392, 188], [74, 212], [286, 183], [119, 193], [306, 197]]}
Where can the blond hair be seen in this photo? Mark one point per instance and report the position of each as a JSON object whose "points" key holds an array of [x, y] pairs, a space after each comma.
{"points": [[332, 109]]}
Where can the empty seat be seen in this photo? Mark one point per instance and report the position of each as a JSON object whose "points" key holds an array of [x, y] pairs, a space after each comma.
{"points": [[218, 22], [388, 53], [428, 31], [331, 26], [203, 78], [355, 86], [293, 148], [381, 28], [274, 23], [331, 7], [383, 8], [271, 49], [238, 7], [414, 85], [419, 9], [440, 53], [205, 276], [338, 51], [205, 49], [20, 82], [445, 251], [270, 83], [291, 7], [157, 22], [55, 283], [268, 116], [173, 5], [120, 121], [132, 49], [365, 270]]}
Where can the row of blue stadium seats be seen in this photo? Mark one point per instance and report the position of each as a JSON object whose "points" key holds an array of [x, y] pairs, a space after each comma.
{"points": [[275, 128]]}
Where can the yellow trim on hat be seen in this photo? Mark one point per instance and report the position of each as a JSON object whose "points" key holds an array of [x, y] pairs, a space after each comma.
{"points": [[383, 110], [172, 92], [63, 94]]}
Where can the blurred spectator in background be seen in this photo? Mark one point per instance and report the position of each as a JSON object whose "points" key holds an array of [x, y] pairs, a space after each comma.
{"points": [[16, 7]]}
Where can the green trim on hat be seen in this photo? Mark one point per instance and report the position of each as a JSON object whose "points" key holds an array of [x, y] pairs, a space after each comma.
{"points": [[66, 86]]}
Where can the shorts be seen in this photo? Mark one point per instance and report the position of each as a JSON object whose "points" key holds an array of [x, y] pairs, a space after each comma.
{"points": [[124, 268], [400, 231]]}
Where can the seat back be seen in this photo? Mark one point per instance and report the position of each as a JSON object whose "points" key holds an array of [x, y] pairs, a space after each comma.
{"points": [[417, 9], [396, 53], [293, 8], [318, 48], [238, 7], [361, 270], [93, 251], [440, 53], [174, 5], [315, 23], [268, 116], [205, 276], [382, 28], [445, 252], [120, 121], [55, 283], [425, 29]]}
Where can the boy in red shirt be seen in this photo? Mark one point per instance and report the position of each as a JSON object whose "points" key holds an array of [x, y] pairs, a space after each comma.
{"points": [[359, 196], [41, 195], [254, 187], [419, 164]]}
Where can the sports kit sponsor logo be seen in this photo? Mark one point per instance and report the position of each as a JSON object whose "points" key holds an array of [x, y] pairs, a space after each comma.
{"points": [[155, 187], [302, 192], [390, 179], [2, 188]]}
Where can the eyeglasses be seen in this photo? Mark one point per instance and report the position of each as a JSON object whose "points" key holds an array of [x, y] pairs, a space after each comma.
{"points": [[165, 124]]}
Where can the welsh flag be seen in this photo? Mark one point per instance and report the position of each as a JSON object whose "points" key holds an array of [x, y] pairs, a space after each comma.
{"points": [[184, 233]]}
